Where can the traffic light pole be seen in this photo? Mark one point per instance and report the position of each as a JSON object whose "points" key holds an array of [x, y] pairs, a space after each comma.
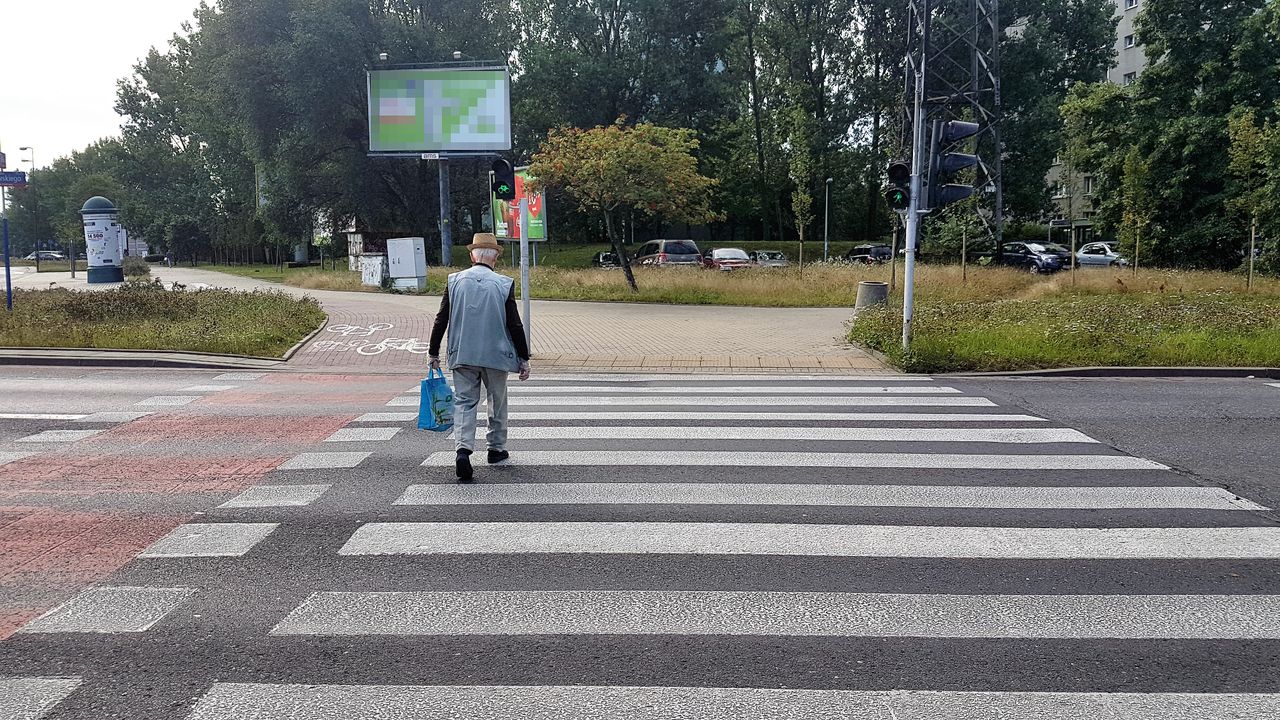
{"points": [[914, 211]]}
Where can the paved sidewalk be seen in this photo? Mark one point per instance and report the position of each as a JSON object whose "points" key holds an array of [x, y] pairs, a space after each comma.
{"points": [[383, 332]]}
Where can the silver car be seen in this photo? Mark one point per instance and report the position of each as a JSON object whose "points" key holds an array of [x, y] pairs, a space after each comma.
{"points": [[1100, 254], [769, 258]]}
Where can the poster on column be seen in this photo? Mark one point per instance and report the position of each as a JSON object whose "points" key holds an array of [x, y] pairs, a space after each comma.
{"points": [[506, 213]]}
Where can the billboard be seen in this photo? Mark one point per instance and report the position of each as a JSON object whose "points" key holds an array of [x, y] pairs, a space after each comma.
{"points": [[506, 213], [433, 110]]}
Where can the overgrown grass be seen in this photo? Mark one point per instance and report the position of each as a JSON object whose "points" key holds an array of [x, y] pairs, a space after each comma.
{"points": [[1199, 328], [144, 316]]}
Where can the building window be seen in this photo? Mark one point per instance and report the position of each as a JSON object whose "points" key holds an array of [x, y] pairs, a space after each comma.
{"points": [[1089, 182], [1060, 191], [1088, 215], [1130, 78], [1130, 4], [1129, 41]]}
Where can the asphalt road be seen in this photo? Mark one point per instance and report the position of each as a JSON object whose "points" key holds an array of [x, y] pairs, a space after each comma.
{"points": [[190, 544]]}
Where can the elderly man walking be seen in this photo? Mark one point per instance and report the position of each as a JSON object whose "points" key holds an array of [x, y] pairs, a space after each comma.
{"points": [[486, 342]]}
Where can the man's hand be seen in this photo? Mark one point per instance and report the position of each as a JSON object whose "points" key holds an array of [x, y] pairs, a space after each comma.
{"points": [[435, 362], [524, 370]]}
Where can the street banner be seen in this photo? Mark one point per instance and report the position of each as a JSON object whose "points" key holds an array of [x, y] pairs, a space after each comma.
{"points": [[441, 111], [506, 213]]}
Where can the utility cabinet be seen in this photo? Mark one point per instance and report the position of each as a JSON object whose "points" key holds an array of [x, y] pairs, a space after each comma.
{"points": [[407, 263]]}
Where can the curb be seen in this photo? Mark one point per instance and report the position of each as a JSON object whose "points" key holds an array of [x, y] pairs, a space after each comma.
{"points": [[87, 357], [288, 355], [1131, 372]]}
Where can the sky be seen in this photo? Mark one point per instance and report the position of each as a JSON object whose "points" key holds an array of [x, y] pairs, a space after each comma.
{"points": [[59, 63]]}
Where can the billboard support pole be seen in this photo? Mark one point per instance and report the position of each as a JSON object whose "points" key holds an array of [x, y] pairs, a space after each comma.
{"points": [[446, 212], [524, 269]]}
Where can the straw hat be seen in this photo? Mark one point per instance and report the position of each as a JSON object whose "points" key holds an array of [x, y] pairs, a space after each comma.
{"points": [[484, 241]]}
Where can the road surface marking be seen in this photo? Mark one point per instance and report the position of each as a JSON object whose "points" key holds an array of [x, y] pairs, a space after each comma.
{"points": [[961, 435], [695, 538], [786, 614], [39, 416], [209, 540], [110, 610], [938, 461], [325, 461], [208, 388], [59, 436], [740, 401], [808, 416], [32, 698], [168, 400], [1274, 385], [8, 457], [743, 390], [363, 434], [387, 417], [745, 377], [235, 701], [277, 496], [238, 376], [939, 496], [113, 417]]}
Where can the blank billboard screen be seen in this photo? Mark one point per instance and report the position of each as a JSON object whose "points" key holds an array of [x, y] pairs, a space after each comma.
{"points": [[422, 110]]}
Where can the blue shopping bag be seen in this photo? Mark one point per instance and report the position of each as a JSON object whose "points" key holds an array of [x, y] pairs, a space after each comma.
{"points": [[435, 410]]}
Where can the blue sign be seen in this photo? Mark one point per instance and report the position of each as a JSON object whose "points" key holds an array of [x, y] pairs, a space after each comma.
{"points": [[13, 179]]}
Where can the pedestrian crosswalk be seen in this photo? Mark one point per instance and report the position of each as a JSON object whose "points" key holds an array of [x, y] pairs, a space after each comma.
{"points": [[672, 547]]}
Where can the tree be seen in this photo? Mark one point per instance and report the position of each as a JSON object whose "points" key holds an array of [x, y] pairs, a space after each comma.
{"points": [[609, 170]]}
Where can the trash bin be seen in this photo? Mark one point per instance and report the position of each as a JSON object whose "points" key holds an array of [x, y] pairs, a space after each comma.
{"points": [[870, 294]]}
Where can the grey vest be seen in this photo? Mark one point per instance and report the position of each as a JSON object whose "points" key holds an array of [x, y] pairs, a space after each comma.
{"points": [[478, 335]]}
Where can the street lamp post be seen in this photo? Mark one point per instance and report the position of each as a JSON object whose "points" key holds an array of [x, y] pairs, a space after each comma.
{"points": [[32, 160], [826, 224]]}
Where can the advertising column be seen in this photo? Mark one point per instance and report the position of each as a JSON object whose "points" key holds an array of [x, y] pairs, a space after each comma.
{"points": [[102, 240]]}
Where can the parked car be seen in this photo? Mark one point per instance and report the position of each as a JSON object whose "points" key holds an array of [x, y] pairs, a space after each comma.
{"points": [[1032, 257], [665, 253], [46, 255], [726, 259], [768, 258], [1100, 254], [869, 254], [605, 260]]}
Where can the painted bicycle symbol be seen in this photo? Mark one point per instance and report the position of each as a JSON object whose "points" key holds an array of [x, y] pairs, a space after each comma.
{"points": [[411, 345], [360, 330]]}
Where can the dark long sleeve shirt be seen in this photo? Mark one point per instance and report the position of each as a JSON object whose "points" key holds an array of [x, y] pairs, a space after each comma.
{"points": [[514, 326]]}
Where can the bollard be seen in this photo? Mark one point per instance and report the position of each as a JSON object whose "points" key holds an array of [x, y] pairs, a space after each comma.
{"points": [[870, 294]]}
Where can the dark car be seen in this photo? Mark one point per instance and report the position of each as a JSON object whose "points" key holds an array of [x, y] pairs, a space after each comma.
{"points": [[726, 259], [869, 254], [1032, 257], [665, 253], [605, 260]]}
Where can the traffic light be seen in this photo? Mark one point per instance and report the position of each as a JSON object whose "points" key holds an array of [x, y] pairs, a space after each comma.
{"points": [[898, 195], [944, 165], [504, 180]]}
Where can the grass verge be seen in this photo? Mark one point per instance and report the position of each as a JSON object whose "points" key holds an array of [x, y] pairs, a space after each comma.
{"points": [[1215, 328], [144, 316]]}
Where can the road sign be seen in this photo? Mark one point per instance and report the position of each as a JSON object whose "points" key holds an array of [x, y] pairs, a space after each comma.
{"points": [[1059, 223], [13, 179]]}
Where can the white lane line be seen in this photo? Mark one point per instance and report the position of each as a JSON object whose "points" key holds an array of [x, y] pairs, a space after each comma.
{"points": [[811, 416], [110, 610], [786, 614], [31, 698], [387, 417], [238, 376], [8, 457], [746, 401], [235, 701], [923, 541], [59, 436], [605, 382], [39, 416], [744, 390], [168, 400], [277, 496], [939, 461], [208, 388], [325, 461], [938, 496], [362, 434], [113, 417], [209, 540], [961, 435], [1274, 385]]}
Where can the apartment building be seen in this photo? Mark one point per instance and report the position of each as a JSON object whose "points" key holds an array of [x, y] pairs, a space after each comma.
{"points": [[1073, 191]]}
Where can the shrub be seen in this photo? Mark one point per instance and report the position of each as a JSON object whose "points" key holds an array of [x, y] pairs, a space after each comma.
{"points": [[135, 266]]}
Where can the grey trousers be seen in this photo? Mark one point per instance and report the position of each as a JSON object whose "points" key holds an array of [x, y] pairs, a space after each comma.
{"points": [[466, 396]]}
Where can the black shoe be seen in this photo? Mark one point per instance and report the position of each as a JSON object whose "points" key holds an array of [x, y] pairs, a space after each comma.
{"points": [[463, 466], [497, 456]]}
